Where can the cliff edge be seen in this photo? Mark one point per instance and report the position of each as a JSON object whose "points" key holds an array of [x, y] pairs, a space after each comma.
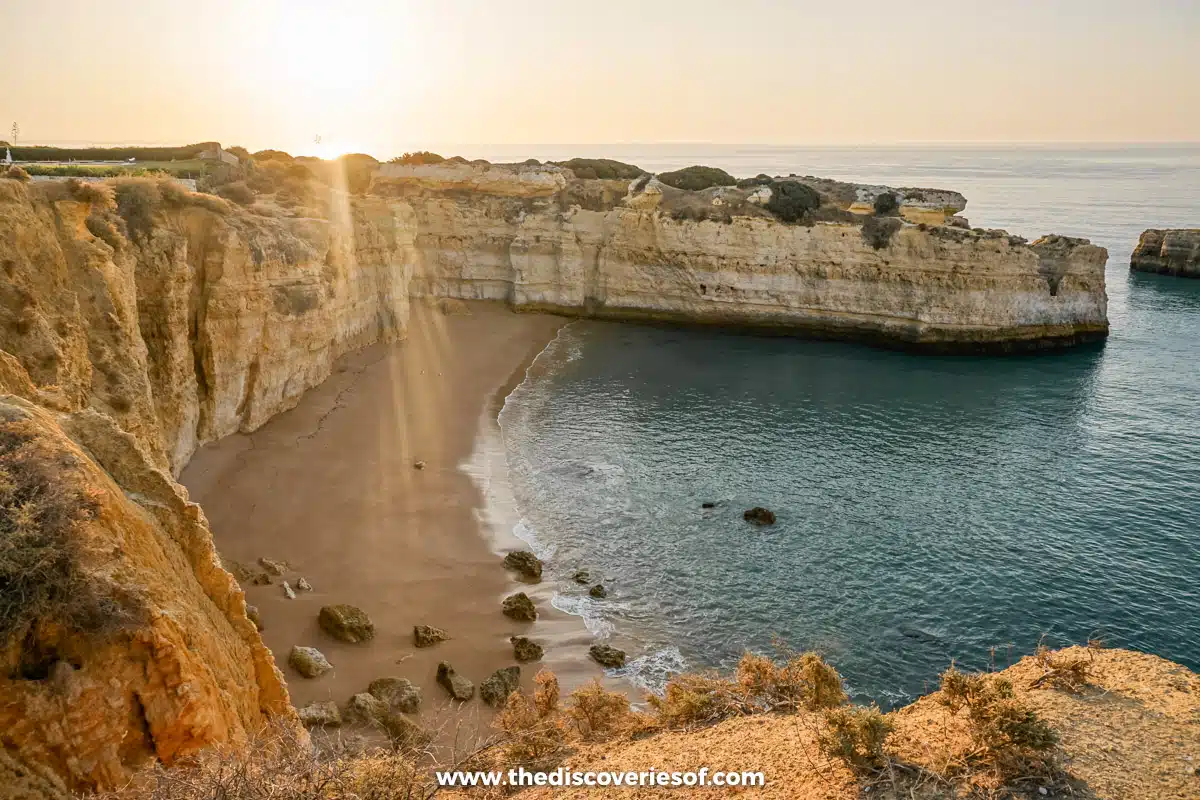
{"points": [[796, 255]]}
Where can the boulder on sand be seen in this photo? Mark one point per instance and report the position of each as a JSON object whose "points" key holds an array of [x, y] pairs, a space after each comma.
{"points": [[459, 687], [309, 662], [499, 685], [323, 713], [519, 607], [346, 623], [526, 563], [607, 656], [759, 516], [399, 694], [428, 636], [525, 649]]}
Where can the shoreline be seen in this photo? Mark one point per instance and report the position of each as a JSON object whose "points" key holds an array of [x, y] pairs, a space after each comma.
{"points": [[330, 488]]}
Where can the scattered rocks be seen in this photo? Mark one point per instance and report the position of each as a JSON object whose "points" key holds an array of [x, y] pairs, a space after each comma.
{"points": [[759, 516], [582, 576], [607, 656], [346, 623], [526, 563], [525, 649], [708, 504], [519, 607], [252, 613], [365, 707], [303, 585], [598, 591], [399, 694], [261, 579], [276, 568], [459, 687], [288, 592], [499, 685], [428, 636], [404, 733], [324, 714], [418, 465], [309, 661]]}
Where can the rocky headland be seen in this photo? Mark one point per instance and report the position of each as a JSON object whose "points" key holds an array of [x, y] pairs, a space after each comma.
{"points": [[139, 321], [1168, 252]]}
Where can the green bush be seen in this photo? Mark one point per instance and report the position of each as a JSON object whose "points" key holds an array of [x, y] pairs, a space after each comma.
{"points": [[856, 735], [695, 178], [791, 201], [15, 173], [602, 168], [272, 155], [761, 179], [886, 203], [878, 231]]}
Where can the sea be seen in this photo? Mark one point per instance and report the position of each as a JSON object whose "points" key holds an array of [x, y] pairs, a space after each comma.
{"points": [[931, 509]]}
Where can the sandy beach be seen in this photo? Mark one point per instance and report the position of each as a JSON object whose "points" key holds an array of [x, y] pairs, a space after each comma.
{"points": [[330, 488]]}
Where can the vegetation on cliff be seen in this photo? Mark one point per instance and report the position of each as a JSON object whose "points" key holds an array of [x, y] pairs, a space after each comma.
{"points": [[602, 168], [697, 178]]}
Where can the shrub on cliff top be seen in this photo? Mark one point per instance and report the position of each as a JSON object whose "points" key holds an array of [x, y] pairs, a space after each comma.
{"points": [[419, 157], [603, 168], [1009, 735], [15, 173], [98, 195], [41, 574], [886, 203], [695, 178], [238, 192], [856, 735], [791, 201]]}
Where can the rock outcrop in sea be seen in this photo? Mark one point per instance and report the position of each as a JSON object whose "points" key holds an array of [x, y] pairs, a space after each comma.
{"points": [[1168, 252]]}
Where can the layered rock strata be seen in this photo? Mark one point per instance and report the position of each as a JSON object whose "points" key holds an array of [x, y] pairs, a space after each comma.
{"points": [[1168, 252], [645, 251]]}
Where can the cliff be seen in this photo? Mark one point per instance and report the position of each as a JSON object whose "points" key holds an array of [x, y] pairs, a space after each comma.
{"points": [[646, 251], [134, 327], [139, 321], [1168, 252]]}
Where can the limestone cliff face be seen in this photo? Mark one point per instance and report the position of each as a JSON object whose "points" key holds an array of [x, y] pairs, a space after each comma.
{"points": [[202, 321], [655, 254], [128, 337], [1168, 252]]}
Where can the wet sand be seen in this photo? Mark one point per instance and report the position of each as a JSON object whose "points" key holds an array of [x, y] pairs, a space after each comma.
{"points": [[330, 488]]}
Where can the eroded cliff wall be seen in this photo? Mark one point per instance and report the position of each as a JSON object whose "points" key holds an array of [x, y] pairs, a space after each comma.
{"points": [[659, 254], [133, 329]]}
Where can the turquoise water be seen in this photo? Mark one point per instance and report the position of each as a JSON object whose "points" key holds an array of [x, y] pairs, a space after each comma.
{"points": [[929, 508]]}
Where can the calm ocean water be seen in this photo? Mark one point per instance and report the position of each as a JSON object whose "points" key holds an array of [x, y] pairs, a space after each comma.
{"points": [[930, 508]]}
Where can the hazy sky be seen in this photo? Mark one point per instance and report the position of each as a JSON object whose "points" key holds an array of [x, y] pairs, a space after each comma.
{"points": [[385, 76]]}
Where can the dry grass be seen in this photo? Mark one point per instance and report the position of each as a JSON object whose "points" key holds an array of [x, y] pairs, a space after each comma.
{"points": [[42, 578], [279, 764], [1062, 670], [96, 194], [799, 681]]}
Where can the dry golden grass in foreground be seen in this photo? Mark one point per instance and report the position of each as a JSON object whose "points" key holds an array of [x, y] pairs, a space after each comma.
{"points": [[1126, 726]]}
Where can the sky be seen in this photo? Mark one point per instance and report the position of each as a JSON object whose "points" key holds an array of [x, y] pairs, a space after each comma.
{"points": [[386, 76]]}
